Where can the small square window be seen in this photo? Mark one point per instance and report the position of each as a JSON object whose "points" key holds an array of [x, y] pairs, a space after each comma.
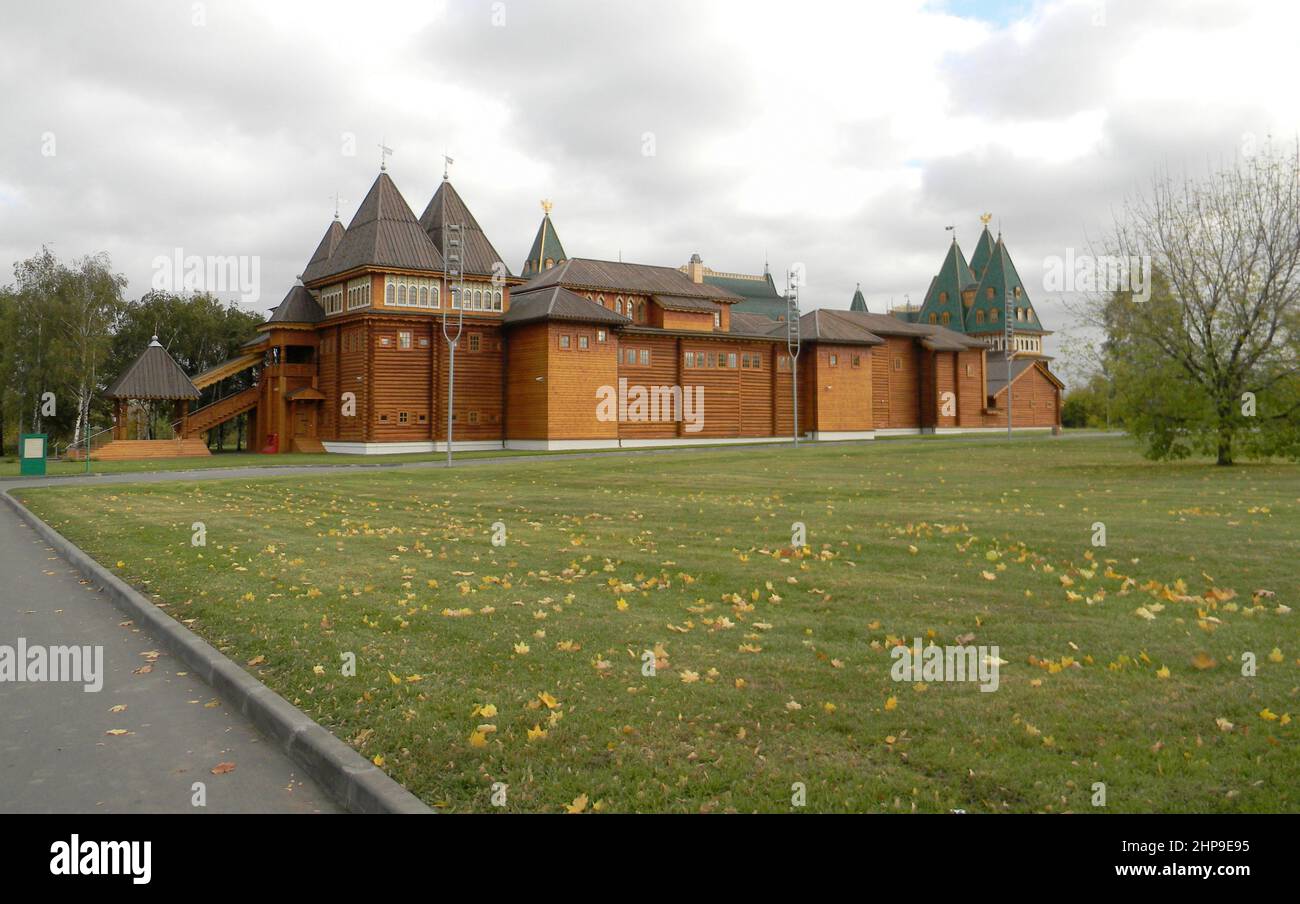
{"points": [[834, 360], [583, 342], [898, 363], [474, 342], [629, 356], [645, 356], [857, 360], [564, 342], [404, 339], [403, 417], [688, 359], [600, 336], [731, 360], [712, 359], [473, 417], [699, 359], [422, 419], [386, 341]]}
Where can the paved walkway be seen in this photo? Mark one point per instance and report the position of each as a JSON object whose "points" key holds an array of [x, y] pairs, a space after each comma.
{"points": [[55, 755]]}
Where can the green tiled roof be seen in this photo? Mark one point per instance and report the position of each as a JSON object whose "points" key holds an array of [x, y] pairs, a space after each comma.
{"points": [[758, 295], [546, 246], [944, 296], [859, 303], [999, 279], [983, 254]]}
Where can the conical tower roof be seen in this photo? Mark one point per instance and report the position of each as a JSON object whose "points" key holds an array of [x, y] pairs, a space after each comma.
{"points": [[383, 233], [445, 208], [859, 303], [547, 250], [319, 262]]}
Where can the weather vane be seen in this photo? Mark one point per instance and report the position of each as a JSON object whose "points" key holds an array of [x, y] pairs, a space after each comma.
{"points": [[446, 163], [337, 201], [986, 218], [546, 207], [384, 153]]}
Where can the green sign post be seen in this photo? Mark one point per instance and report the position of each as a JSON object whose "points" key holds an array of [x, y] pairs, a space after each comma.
{"points": [[31, 454]]}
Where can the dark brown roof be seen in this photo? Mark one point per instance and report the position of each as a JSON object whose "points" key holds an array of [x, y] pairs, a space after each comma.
{"points": [[693, 305], [754, 324], [933, 336], [995, 369], [317, 266], [616, 276], [154, 375], [823, 326], [384, 233], [477, 254], [298, 307], [558, 303]]}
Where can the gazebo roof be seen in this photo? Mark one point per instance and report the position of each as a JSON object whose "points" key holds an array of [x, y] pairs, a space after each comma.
{"points": [[154, 375]]}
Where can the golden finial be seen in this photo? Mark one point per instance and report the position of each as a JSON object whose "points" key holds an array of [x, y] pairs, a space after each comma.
{"points": [[986, 218], [546, 207]]}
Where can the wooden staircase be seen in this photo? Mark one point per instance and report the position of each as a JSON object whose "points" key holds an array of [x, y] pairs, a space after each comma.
{"points": [[131, 449], [204, 419]]}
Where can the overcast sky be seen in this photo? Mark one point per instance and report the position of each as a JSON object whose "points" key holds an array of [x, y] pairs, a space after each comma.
{"points": [[842, 136]]}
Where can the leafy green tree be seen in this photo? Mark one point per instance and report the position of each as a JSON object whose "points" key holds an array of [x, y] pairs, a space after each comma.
{"points": [[1210, 362]]}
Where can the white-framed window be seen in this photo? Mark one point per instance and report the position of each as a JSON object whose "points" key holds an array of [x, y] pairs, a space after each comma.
{"points": [[331, 300], [410, 291]]}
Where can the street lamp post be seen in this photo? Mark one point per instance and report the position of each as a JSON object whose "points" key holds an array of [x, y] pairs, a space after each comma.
{"points": [[792, 343], [1009, 338], [452, 263]]}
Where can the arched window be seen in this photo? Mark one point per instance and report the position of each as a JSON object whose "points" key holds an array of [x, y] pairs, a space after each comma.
{"points": [[945, 318], [988, 293], [993, 315], [496, 301], [934, 319], [640, 311], [618, 305], [478, 299], [943, 297], [1017, 291], [401, 294], [979, 316], [433, 293], [388, 294], [424, 296]]}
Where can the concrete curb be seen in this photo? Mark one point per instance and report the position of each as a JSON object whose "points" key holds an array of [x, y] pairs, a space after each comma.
{"points": [[356, 783]]}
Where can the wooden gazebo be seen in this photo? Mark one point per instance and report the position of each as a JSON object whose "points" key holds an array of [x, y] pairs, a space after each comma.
{"points": [[153, 377]]}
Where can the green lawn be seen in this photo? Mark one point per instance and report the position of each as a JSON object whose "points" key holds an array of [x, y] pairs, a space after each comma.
{"points": [[773, 663], [9, 466]]}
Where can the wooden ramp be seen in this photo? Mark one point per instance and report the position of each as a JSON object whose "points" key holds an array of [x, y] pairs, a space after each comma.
{"points": [[209, 416], [307, 444], [130, 449]]}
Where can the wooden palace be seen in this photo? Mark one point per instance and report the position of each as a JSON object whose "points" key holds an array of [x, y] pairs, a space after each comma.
{"points": [[581, 353]]}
